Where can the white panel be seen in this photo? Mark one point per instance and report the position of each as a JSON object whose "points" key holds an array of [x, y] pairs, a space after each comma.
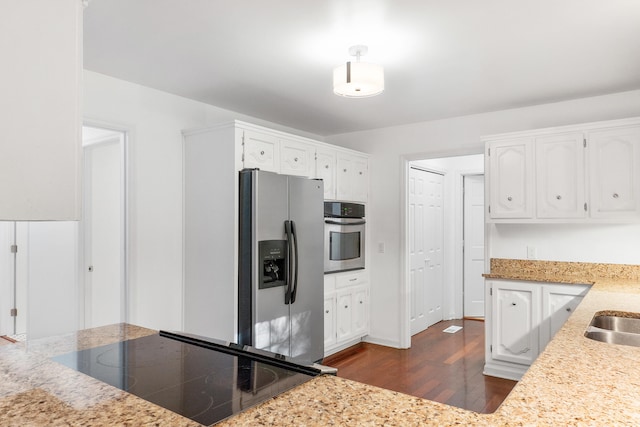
{"points": [[52, 278], [41, 47]]}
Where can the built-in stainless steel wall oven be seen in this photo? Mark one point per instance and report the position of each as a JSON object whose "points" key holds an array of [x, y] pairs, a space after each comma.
{"points": [[344, 234]]}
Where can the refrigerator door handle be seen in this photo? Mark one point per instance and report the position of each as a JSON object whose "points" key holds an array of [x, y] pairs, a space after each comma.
{"points": [[295, 259], [289, 262]]}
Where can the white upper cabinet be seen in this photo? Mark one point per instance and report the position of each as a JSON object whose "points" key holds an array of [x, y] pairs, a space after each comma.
{"points": [[560, 176], [261, 151], [326, 171], [352, 178], [511, 179], [614, 166], [40, 105], [296, 158], [579, 173]]}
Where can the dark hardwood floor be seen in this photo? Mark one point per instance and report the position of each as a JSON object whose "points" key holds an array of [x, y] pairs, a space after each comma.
{"points": [[439, 366]]}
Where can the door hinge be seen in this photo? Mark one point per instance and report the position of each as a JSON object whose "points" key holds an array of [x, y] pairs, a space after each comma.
{"points": [[13, 312], [14, 249], [585, 207]]}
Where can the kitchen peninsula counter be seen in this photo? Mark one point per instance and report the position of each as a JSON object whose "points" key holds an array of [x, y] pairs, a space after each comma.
{"points": [[575, 381]]}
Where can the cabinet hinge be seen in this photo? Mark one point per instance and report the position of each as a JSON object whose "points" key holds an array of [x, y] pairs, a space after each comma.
{"points": [[584, 142], [242, 147], [14, 249], [13, 312], [490, 291], [488, 151], [489, 208], [490, 348], [585, 207]]}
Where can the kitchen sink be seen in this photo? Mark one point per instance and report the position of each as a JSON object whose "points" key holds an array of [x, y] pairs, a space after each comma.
{"points": [[623, 329], [617, 323]]}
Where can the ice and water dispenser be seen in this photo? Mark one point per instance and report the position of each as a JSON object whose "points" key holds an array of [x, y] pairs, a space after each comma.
{"points": [[273, 258]]}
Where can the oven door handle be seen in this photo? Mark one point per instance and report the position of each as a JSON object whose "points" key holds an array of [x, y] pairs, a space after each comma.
{"points": [[336, 222]]}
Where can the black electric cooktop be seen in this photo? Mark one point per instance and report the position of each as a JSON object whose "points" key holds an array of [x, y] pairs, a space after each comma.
{"points": [[201, 379]]}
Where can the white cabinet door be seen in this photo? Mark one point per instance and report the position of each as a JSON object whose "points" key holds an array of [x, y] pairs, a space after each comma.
{"points": [[359, 179], [516, 316], [343, 175], [352, 178], [511, 179], [614, 172], [329, 320], [344, 315], [326, 171], [560, 176], [558, 303], [40, 164], [360, 311], [296, 158], [261, 151]]}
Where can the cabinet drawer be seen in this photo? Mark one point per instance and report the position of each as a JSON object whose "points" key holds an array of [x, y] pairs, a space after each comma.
{"points": [[350, 279]]}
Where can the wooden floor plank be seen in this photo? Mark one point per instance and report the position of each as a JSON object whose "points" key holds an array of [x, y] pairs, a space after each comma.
{"points": [[439, 366]]}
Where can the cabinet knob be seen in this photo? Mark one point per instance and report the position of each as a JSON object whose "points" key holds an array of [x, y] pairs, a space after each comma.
{"points": [[569, 309], [509, 198], [262, 153], [360, 302], [327, 311], [295, 159], [360, 173], [559, 197], [346, 306], [513, 303], [344, 170], [326, 166], [615, 195]]}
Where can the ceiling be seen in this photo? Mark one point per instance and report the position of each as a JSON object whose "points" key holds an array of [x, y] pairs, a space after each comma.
{"points": [[274, 59]]}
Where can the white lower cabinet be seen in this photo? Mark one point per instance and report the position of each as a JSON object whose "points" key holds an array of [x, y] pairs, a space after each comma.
{"points": [[522, 317], [329, 320], [558, 303], [516, 316], [346, 311]]}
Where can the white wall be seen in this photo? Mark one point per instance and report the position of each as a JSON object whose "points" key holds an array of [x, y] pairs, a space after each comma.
{"points": [[154, 120], [391, 147]]}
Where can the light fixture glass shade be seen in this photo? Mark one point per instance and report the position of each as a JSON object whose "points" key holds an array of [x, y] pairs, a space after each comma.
{"points": [[358, 79]]}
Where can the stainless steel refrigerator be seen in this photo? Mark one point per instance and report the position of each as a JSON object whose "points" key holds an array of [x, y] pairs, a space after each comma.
{"points": [[280, 271]]}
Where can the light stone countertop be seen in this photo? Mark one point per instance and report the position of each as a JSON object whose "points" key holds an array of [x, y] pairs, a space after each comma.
{"points": [[575, 381]]}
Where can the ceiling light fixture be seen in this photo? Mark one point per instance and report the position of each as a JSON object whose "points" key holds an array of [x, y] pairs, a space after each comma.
{"points": [[358, 79]]}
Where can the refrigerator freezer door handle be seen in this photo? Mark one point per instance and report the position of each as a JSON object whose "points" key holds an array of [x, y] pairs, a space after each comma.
{"points": [[289, 263], [295, 262]]}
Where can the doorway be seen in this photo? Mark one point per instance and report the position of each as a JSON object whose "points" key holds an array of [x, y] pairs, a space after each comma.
{"points": [[103, 275], [453, 169]]}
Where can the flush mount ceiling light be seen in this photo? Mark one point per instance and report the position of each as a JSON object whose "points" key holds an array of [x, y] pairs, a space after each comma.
{"points": [[358, 79]]}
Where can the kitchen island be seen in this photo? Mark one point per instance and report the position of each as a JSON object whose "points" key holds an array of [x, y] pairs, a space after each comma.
{"points": [[575, 381]]}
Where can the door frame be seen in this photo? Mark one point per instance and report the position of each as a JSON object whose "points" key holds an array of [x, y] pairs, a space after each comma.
{"points": [[126, 132], [405, 285]]}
